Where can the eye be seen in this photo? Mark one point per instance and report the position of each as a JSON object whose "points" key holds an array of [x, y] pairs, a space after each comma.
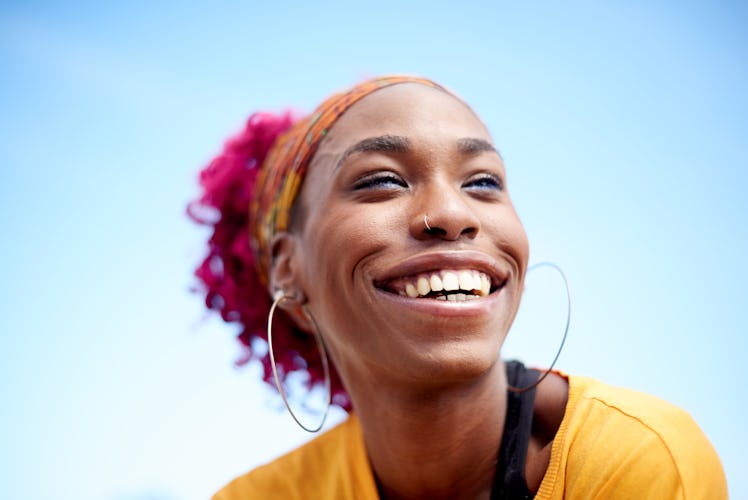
{"points": [[380, 180], [485, 182]]}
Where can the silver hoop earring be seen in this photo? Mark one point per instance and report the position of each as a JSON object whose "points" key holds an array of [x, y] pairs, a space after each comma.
{"points": [[426, 222], [277, 298], [566, 328]]}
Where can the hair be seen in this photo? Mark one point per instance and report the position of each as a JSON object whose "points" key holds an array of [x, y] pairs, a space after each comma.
{"points": [[228, 274]]}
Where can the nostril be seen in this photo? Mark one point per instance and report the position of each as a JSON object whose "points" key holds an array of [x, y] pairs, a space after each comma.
{"points": [[446, 225], [435, 231]]}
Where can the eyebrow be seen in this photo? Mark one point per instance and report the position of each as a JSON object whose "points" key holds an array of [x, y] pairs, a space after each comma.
{"points": [[473, 146], [380, 144], [397, 144]]}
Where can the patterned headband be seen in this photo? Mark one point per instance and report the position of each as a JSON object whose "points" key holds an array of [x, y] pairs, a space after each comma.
{"points": [[282, 172]]}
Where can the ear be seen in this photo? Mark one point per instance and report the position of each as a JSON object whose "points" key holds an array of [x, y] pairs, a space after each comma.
{"points": [[285, 275]]}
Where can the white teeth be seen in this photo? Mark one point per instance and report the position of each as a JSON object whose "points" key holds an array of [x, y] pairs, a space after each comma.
{"points": [[450, 281], [436, 283], [470, 283], [423, 285], [466, 280], [477, 283], [485, 285]]}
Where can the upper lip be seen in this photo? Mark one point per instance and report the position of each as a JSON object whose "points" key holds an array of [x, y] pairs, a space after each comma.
{"points": [[438, 261]]}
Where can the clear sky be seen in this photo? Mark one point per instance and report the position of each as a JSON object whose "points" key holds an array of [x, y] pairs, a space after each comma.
{"points": [[623, 127]]}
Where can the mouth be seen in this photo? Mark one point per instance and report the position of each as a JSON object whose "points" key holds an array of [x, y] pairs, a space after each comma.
{"points": [[454, 285]]}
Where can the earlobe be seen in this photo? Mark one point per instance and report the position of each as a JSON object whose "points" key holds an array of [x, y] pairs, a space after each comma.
{"points": [[284, 276]]}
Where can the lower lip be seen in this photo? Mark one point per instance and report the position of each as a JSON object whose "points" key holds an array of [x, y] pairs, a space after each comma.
{"points": [[446, 308]]}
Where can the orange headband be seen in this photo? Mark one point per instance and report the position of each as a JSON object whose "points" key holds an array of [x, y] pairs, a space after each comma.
{"points": [[282, 172]]}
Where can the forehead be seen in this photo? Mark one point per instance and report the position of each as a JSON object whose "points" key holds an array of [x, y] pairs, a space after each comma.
{"points": [[411, 110]]}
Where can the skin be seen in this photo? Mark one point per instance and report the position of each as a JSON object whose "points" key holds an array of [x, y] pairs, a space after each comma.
{"points": [[425, 376]]}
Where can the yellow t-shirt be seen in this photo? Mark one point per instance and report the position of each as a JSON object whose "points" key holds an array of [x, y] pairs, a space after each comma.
{"points": [[612, 444]]}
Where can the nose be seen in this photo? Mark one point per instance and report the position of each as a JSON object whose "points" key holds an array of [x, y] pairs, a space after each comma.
{"points": [[444, 214]]}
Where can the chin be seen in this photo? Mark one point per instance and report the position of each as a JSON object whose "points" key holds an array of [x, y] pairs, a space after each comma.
{"points": [[457, 361]]}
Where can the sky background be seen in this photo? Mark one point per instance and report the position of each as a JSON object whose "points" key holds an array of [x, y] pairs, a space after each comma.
{"points": [[623, 127]]}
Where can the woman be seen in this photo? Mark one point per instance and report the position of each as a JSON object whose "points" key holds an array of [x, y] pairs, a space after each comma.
{"points": [[382, 225]]}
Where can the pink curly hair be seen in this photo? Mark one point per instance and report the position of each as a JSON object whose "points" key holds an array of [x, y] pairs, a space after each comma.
{"points": [[228, 273]]}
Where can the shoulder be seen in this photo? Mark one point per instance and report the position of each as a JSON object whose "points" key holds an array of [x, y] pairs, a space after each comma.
{"points": [[619, 443], [332, 464]]}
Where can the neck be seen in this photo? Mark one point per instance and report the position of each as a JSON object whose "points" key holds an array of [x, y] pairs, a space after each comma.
{"points": [[435, 442]]}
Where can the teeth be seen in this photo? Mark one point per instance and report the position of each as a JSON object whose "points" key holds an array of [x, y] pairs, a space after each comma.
{"points": [[450, 281], [470, 283], [423, 285], [485, 285], [466, 280], [436, 283], [477, 283]]}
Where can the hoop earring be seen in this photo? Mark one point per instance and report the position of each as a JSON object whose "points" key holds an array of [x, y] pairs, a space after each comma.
{"points": [[566, 328], [277, 298]]}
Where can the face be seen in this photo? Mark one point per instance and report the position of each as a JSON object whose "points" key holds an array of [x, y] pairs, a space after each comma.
{"points": [[394, 299]]}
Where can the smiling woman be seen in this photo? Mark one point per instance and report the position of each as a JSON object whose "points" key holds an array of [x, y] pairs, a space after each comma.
{"points": [[383, 229]]}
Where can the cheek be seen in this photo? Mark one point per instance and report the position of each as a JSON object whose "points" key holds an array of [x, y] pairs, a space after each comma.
{"points": [[337, 251], [509, 235], [519, 241], [337, 238]]}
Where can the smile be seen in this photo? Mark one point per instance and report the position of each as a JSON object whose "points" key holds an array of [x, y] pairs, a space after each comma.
{"points": [[454, 285]]}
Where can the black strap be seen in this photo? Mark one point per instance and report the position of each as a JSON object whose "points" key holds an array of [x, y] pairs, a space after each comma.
{"points": [[509, 482]]}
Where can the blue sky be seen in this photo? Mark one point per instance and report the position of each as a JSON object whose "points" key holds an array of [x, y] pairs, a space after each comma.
{"points": [[623, 127]]}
